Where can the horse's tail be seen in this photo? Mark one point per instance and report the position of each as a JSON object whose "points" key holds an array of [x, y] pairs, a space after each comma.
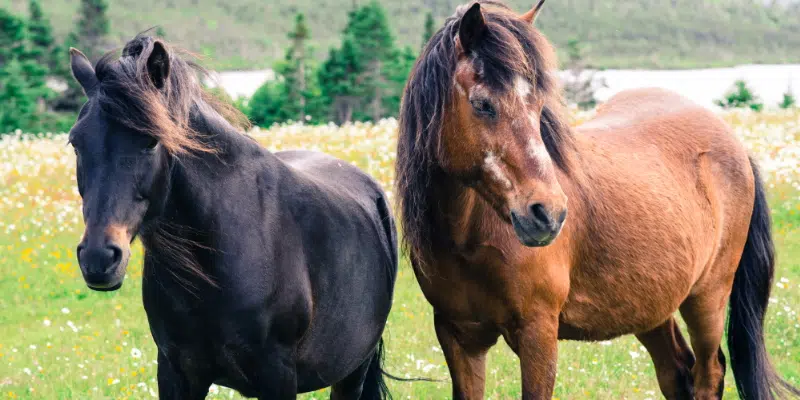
{"points": [[374, 385], [755, 376]]}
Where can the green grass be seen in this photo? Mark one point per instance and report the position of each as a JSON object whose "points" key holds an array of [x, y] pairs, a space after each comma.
{"points": [[247, 34], [60, 341]]}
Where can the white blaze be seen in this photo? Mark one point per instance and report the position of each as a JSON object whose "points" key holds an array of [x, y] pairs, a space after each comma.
{"points": [[523, 88], [492, 165]]}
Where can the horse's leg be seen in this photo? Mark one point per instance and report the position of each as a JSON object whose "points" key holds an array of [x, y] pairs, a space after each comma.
{"points": [[352, 386], [277, 374], [536, 344], [174, 384], [705, 317], [672, 359], [465, 346]]}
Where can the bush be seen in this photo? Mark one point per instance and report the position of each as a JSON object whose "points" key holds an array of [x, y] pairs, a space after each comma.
{"points": [[740, 96], [788, 100]]}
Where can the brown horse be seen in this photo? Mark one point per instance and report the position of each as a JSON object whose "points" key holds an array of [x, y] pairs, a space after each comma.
{"points": [[666, 213]]}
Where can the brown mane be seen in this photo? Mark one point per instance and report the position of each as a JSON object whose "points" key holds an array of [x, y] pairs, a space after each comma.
{"points": [[513, 47], [126, 93]]}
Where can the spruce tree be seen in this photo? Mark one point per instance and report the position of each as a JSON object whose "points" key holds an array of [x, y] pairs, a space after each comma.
{"points": [[294, 70], [368, 29], [91, 37], [430, 29], [40, 36], [339, 82], [22, 80], [93, 28]]}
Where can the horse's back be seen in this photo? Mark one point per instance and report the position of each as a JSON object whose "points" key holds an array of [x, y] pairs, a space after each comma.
{"points": [[350, 251], [671, 195]]}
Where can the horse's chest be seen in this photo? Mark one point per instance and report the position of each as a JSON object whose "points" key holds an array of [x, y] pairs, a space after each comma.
{"points": [[464, 290]]}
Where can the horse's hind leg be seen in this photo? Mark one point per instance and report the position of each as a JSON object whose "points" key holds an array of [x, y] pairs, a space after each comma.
{"points": [[672, 359], [705, 317]]}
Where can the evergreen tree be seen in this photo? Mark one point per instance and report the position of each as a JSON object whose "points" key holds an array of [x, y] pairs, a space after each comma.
{"points": [[91, 37], [788, 100], [294, 70], [399, 69], [368, 29], [339, 82], [93, 28], [430, 29], [22, 80], [43, 47]]}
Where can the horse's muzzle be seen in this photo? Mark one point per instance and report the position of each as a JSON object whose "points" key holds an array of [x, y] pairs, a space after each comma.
{"points": [[537, 227], [103, 267]]}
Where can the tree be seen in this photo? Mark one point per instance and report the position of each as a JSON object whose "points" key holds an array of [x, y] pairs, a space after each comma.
{"points": [[43, 47], [580, 84], [339, 82], [740, 96], [91, 37], [294, 69], [373, 43], [789, 100], [23, 87], [93, 28], [398, 71], [430, 29]]}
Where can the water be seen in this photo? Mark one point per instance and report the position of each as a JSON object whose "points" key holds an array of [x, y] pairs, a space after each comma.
{"points": [[703, 86]]}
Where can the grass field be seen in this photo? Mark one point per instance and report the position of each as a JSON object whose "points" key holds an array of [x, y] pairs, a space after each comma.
{"points": [[59, 340]]}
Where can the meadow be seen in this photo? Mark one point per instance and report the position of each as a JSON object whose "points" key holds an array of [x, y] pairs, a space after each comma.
{"points": [[59, 340]]}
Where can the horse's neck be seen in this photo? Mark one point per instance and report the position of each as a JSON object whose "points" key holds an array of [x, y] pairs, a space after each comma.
{"points": [[465, 217], [199, 181]]}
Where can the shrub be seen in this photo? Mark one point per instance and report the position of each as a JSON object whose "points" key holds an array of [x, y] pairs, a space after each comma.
{"points": [[740, 96]]}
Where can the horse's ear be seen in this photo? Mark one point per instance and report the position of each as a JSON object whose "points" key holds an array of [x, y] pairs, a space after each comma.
{"points": [[158, 65], [472, 28], [82, 69], [530, 16]]}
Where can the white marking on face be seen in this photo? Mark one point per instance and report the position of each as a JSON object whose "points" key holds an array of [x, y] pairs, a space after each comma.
{"points": [[492, 164], [460, 89], [538, 153], [523, 88]]}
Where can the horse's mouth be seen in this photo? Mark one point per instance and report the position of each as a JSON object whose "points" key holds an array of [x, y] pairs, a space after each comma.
{"points": [[105, 288], [529, 238]]}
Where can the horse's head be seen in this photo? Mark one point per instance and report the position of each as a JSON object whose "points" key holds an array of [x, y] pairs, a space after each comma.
{"points": [[494, 135], [122, 167]]}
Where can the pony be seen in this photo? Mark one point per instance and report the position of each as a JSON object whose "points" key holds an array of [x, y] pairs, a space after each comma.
{"points": [[520, 226], [269, 273]]}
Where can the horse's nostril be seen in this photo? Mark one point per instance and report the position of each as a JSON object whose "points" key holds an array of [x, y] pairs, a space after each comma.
{"points": [[116, 255], [540, 214]]}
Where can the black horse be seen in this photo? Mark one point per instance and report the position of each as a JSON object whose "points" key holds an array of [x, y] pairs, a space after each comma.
{"points": [[268, 273]]}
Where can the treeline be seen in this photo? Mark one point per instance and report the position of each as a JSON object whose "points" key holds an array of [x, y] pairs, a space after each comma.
{"points": [[32, 62], [361, 80]]}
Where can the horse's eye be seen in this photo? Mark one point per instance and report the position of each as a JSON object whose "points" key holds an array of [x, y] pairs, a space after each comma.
{"points": [[152, 144], [483, 108]]}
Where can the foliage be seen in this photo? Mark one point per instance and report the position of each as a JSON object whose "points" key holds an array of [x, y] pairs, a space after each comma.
{"points": [[251, 34], [23, 86], [430, 29], [789, 100], [580, 83], [740, 96], [361, 80]]}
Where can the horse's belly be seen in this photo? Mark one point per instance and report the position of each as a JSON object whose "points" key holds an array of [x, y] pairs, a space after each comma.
{"points": [[617, 298]]}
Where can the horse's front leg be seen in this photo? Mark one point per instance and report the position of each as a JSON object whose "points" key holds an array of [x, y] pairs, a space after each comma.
{"points": [[176, 384], [536, 343], [465, 345]]}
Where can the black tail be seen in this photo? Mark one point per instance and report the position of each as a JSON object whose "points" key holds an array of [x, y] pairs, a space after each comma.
{"points": [[755, 376], [374, 386]]}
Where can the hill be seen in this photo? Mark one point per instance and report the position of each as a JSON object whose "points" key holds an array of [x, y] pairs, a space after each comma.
{"points": [[247, 34]]}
